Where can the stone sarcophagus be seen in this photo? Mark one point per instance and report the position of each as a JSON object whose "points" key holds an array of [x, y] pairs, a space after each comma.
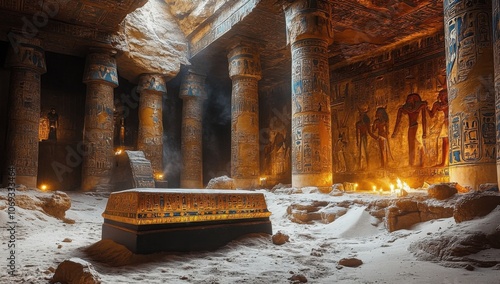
{"points": [[148, 220]]}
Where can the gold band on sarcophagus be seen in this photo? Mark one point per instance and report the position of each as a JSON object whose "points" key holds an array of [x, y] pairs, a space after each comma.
{"points": [[150, 206]]}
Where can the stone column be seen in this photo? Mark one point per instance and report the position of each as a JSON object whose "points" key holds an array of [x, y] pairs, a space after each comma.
{"points": [[496, 52], [471, 98], [245, 72], [101, 78], [192, 93], [310, 32], [27, 63], [151, 89]]}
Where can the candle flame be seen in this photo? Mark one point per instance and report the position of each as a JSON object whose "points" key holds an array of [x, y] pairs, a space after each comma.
{"points": [[401, 185]]}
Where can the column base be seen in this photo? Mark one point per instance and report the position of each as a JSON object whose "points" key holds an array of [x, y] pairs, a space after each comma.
{"points": [[91, 183], [191, 184], [321, 181], [28, 181], [474, 175], [246, 183]]}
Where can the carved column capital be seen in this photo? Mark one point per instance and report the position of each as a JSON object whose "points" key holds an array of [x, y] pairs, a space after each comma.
{"points": [[26, 53], [152, 83], [244, 60], [306, 19], [193, 85], [101, 67]]}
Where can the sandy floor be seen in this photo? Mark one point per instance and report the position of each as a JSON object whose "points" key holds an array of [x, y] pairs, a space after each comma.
{"points": [[313, 251]]}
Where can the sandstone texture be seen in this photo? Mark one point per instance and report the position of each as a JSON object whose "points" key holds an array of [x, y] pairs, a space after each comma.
{"points": [[190, 14], [149, 41], [75, 270], [403, 213], [322, 211], [462, 243], [57, 204], [475, 204], [350, 262], [54, 204], [442, 191], [223, 182], [279, 238]]}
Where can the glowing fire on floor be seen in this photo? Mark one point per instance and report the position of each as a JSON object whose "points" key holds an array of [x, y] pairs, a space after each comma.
{"points": [[399, 189]]}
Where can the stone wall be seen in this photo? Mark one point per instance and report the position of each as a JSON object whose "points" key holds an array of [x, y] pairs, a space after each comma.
{"points": [[366, 99], [59, 165], [190, 14]]}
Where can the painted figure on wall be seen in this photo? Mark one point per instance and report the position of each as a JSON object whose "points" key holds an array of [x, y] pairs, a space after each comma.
{"points": [[441, 104], [380, 128], [413, 107], [362, 131], [53, 118], [340, 145]]}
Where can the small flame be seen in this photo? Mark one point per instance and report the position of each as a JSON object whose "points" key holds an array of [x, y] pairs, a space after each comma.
{"points": [[118, 152], [401, 185], [158, 176], [263, 179], [43, 187]]}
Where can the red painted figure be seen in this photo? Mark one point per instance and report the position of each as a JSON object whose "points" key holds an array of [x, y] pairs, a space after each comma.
{"points": [[413, 107], [380, 127], [441, 104]]}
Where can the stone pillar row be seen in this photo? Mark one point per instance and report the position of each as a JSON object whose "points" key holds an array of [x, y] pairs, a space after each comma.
{"points": [[192, 93], [27, 63], [473, 78], [245, 73]]}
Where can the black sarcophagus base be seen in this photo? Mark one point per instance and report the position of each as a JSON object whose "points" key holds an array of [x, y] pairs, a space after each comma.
{"points": [[181, 237], [148, 220]]}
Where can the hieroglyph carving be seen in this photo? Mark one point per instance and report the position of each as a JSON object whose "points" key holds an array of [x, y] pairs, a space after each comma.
{"points": [[470, 81], [192, 92], [150, 137], [101, 78], [144, 206], [245, 72], [310, 32], [27, 65], [496, 48]]}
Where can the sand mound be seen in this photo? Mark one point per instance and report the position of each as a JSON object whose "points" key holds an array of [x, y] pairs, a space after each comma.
{"points": [[112, 254]]}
